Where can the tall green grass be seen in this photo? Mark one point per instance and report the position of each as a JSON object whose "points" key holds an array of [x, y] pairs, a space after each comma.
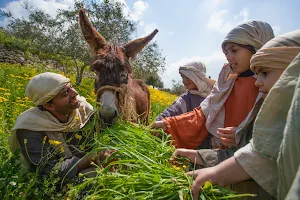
{"points": [[141, 167]]}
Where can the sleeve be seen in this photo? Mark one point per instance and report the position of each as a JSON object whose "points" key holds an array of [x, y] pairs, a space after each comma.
{"points": [[39, 154], [262, 170], [188, 130], [212, 157], [294, 192], [176, 108]]}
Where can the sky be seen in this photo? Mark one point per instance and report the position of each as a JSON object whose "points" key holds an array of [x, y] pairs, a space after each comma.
{"points": [[190, 30]]}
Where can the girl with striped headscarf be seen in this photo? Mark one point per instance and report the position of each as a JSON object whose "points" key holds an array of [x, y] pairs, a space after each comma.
{"points": [[232, 97]]}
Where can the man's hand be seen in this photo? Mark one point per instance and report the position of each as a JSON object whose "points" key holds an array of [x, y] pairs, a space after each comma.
{"points": [[227, 136], [189, 153]]}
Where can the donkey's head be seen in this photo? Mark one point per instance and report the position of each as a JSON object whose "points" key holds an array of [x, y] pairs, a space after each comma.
{"points": [[111, 64]]}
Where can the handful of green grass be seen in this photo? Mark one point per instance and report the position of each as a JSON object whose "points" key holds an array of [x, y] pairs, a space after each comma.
{"points": [[141, 169]]}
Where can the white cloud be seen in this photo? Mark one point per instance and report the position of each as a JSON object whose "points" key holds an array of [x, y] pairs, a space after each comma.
{"points": [[137, 12], [170, 33], [223, 23], [50, 7], [216, 2], [214, 63], [139, 9]]}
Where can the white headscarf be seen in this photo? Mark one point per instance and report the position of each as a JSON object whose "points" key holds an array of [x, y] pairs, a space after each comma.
{"points": [[196, 72]]}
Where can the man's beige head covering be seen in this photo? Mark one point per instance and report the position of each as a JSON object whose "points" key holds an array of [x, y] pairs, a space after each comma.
{"points": [[254, 33], [44, 87], [278, 52], [196, 72]]}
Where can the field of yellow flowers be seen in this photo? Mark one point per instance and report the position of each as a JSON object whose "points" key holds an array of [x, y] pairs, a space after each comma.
{"points": [[13, 102]]}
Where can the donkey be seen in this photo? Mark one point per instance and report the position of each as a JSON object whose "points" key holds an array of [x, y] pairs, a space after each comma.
{"points": [[117, 92]]}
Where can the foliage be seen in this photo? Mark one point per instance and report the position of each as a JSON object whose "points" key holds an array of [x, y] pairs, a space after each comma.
{"points": [[149, 64], [62, 36], [177, 87]]}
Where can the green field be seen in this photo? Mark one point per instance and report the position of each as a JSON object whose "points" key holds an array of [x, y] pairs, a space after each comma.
{"points": [[141, 170]]}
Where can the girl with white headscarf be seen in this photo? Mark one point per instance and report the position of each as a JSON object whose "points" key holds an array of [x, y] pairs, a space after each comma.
{"points": [[198, 87]]}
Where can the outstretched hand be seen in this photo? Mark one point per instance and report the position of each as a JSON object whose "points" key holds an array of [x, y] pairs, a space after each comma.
{"points": [[103, 156], [189, 153], [158, 125]]}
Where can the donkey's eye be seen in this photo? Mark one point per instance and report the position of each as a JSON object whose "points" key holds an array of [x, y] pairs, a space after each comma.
{"points": [[124, 74]]}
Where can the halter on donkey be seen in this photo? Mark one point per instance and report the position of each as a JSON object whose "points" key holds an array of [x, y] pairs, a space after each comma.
{"points": [[117, 92]]}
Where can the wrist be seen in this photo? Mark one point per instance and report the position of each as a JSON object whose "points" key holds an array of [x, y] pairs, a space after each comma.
{"points": [[217, 177]]}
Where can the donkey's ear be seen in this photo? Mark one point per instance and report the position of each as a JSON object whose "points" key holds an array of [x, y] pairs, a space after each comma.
{"points": [[135, 46], [94, 39]]}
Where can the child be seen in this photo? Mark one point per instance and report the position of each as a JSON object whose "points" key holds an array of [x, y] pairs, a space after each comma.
{"points": [[258, 159], [232, 97], [198, 87]]}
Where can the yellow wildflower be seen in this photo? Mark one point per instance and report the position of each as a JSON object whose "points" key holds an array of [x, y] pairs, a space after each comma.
{"points": [[44, 140], [77, 118], [12, 75], [4, 89], [175, 167], [62, 149], [77, 136], [2, 99], [184, 167], [54, 142]]}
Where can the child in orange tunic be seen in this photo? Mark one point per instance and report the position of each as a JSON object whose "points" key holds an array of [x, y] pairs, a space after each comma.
{"points": [[232, 97]]}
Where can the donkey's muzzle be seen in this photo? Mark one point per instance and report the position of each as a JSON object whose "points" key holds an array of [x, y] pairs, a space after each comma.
{"points": [[109, 114]]}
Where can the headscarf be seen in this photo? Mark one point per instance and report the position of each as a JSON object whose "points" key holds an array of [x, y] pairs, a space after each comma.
{"points": [[44, 87], [271, 119], [254, 33], [196, 72]]}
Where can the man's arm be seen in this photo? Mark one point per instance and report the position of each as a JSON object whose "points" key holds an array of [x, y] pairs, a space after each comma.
{"points": [[40, 154]]}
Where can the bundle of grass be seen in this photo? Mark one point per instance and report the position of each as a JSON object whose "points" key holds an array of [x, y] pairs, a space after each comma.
{"points": [[140, 169]]}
